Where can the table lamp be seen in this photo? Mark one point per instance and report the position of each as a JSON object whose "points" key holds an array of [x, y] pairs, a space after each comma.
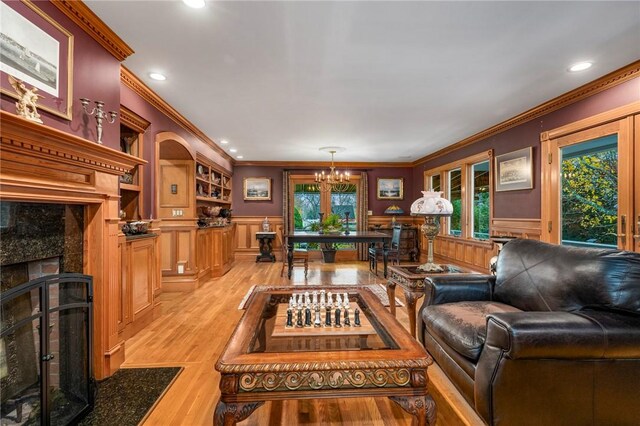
{"points": [[394, 211], [432, 206]]}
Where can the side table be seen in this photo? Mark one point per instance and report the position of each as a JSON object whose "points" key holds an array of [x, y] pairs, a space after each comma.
{"points": [[412, 283], [266, 246]]}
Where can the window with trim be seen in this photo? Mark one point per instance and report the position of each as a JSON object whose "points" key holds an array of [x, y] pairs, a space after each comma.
{"points": [[467, 184]]}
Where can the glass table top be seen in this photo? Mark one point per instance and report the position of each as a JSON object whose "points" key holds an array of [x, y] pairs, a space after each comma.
{"points": [[303, 320]]}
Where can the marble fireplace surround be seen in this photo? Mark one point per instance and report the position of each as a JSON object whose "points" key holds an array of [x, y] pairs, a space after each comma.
{"points": [[42, 164]]}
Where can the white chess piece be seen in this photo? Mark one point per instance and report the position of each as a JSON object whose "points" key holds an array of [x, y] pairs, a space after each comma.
{"points": [[338, 300], [330, 299], [346, 299]]}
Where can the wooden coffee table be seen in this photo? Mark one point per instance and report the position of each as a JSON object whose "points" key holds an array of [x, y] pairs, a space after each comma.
{"points": [[261, 362], [412, 283]]}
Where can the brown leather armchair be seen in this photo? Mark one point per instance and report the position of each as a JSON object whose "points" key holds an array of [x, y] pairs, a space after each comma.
{"points": [[552, 339]]}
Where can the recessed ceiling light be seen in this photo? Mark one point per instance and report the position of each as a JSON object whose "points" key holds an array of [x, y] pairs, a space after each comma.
{"points": [[580, 66], [239, 156], [157, 76], [233, 150], [224, 141], [196, 4]]}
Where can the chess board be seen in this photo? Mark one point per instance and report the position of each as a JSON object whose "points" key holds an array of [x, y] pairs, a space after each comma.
{"points": [[280, 329]]}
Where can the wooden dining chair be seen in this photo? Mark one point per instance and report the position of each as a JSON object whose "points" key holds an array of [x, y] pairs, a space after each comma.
{"points": [[300, 256], [393, 254]]}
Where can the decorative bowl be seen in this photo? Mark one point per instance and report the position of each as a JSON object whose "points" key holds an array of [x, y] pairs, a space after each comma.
{"points": [[211, 211], [138, 227]]}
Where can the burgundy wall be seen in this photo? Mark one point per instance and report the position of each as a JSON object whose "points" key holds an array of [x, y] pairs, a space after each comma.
{"points": [[161, 123], [526, 203], [96, 75], [274, 207]]}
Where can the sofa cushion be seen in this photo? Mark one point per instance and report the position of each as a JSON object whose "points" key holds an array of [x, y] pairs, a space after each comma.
{"points": [[535, 276], [462, 325]]}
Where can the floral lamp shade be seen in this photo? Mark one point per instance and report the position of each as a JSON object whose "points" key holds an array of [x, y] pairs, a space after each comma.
{"points": [[432, 207], [431, 203]]}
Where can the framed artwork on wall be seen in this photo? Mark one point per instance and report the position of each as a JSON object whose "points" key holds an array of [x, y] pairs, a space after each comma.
{"points": [[390, 189], [514, 171], [257, 188], [37, 50]]}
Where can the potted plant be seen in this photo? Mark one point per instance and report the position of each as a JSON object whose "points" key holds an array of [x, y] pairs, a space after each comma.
{"points": [[332, 224]]}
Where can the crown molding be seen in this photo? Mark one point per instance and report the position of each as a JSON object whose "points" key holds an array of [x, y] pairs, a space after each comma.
{"points": [[310, 165], [603, 83], [80, 13], [133, 120], [134, 83]]}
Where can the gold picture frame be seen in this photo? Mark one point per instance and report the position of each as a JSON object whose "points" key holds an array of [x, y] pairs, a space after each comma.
{"points": [[38, 51], [390, 189], [256, 188]]}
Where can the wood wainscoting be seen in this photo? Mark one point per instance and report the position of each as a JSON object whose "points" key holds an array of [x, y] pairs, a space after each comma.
{"points": [[475, 254], [246, 245]]}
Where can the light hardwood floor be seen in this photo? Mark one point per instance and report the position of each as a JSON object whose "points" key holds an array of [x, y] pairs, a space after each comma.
{"points": [[193, 328]]}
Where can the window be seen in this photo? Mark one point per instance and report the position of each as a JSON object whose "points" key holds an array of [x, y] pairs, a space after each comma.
{"points": [[480, 202], [454, 183], [467, 184], [309, 201]]}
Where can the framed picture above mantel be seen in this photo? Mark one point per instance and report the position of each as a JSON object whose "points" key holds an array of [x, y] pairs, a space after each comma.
{"points": [[514, 170], [37, 50]]}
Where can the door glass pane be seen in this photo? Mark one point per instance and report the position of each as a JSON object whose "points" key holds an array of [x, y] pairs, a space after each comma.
{"points": [[342, 202], [435, 183], [306, 209], [589, 182], [455, 196], [306, 202], [480, 205]]}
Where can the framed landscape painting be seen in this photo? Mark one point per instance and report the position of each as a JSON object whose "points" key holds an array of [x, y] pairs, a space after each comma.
{"points": [[514, 171], [37, 50], [390, 189], [257, 188]]}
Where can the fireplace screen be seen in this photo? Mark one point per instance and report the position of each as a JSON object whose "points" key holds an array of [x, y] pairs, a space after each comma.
{"points": [[45, 351]]}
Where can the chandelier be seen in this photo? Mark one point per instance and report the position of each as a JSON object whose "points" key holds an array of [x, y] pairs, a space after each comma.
{"points": [[333, 180]]}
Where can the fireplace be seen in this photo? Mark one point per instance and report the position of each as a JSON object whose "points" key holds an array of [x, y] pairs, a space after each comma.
{"points": [[47, 173], [42, 244]]}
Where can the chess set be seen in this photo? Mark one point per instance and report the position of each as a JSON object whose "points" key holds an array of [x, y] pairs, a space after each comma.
{"points": [[321, 313]]}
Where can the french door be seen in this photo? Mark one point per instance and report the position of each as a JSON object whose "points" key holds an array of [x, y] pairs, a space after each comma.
{"points": [[309, 201], [591, 182]]}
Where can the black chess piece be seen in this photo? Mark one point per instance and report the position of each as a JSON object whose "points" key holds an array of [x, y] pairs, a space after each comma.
{"points": [[356, 315], [307, 317], [327, 318], [299, 322], [347, 322], [337, 321], [289, 318]]}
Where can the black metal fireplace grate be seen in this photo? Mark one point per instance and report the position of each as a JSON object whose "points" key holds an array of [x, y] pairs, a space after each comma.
{"points": [[46, 377]]}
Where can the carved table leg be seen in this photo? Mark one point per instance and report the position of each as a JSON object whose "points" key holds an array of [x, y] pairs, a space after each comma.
{"points": [[231, 413], [411, 298], [421, 407], [391, 293]]}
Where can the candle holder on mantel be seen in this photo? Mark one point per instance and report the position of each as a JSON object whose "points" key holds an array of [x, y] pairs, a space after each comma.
{"points": [[432, 207], [100, 114]]}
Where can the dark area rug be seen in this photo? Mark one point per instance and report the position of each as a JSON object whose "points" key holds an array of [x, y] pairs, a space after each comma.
{"points": [[125, 398]]}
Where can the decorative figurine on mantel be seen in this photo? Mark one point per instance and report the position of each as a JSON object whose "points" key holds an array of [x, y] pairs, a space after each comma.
{"points": [[27, 100]]}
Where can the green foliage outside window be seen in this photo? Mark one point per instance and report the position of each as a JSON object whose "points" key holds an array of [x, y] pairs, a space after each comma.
{"points": [[590, 198], [481, 216]]}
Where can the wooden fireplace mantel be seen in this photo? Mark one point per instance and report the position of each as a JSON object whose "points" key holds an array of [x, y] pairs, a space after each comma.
{"points": [[42, 164]]}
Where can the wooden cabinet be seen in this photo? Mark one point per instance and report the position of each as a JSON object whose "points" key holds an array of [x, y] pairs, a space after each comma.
{"points": [[213, 185], [215, 254], [409, 248], [139, 281], [132, 128]]}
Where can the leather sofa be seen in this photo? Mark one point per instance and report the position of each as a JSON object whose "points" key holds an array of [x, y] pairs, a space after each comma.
{"points": [[552, 339]]}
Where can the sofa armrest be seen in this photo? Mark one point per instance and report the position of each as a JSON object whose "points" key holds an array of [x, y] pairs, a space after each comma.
{"points": [[565, 335], [457, 288]]}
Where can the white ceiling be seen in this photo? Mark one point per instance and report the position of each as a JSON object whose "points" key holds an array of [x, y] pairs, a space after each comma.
{"points": [[389, 81]]}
